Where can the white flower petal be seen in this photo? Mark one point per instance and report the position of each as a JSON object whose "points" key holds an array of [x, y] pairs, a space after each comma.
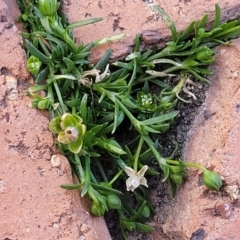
{"points": [[129, 171], [143, 181], [142, 171], [132, 183]]}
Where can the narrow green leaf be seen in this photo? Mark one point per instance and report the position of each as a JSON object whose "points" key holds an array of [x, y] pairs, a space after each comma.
{"points": [[105, 144], [109, 39], [133, 55], [186, 32], [144, 227], [71, 186], [106, 189], [165, 60], [118, 118], [80, 56], [150, 129], [127, 66], [202, 79], [83, 23], [202, 22], [104, 60], [168, 20], [57, 77], [35, 52], [70, 65], [130, 157], [146, 54], [83, 108], [160, 119], [228, 34], [217, 16]]}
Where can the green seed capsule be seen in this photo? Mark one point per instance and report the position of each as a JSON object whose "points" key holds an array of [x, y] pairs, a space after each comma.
{"points": [[176, 178], [33, 65], [212, 180], [113, 201], [48, 7], [43, 104], [97, 209]]}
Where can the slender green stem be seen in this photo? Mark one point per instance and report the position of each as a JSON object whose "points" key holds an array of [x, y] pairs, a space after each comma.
{"points": [[59, 96], [62, 33], [161, 54], [137, 154], [173, 68], [116, 177], [126, 111], [93, 197], [160, 159], [186, 164], [101, 170], [121, 163]]}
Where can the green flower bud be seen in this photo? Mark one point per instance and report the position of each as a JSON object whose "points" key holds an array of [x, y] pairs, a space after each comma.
{"points": [[48, 7], [97, 209], [33, 65], [212, 180], [43, 104], [25, 17], [200, 31], [113, 201], [146, 212], [177, 178], [206, 55], [34, 103]]}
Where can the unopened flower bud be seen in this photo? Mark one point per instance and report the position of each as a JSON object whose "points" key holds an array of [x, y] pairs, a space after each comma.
{"points": [[205, 54], [177, 178], [48, 7], [146, 212], [113, 201], [33, 65], [97, 209], [43, 104], [212, 180]]}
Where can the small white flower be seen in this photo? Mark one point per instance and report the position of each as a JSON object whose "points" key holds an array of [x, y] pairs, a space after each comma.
{"points": [[136, 178]]}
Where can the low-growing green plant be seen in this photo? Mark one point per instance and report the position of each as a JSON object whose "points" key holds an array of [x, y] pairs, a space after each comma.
{"points": [[92, 105]]}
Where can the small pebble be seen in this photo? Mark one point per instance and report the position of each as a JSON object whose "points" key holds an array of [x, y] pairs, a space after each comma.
{"points": [[55, 161]]}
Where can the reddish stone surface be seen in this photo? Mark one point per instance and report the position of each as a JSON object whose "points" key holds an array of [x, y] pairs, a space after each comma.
{"points": [[137, 17], [214, 143], [32, 204]]}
